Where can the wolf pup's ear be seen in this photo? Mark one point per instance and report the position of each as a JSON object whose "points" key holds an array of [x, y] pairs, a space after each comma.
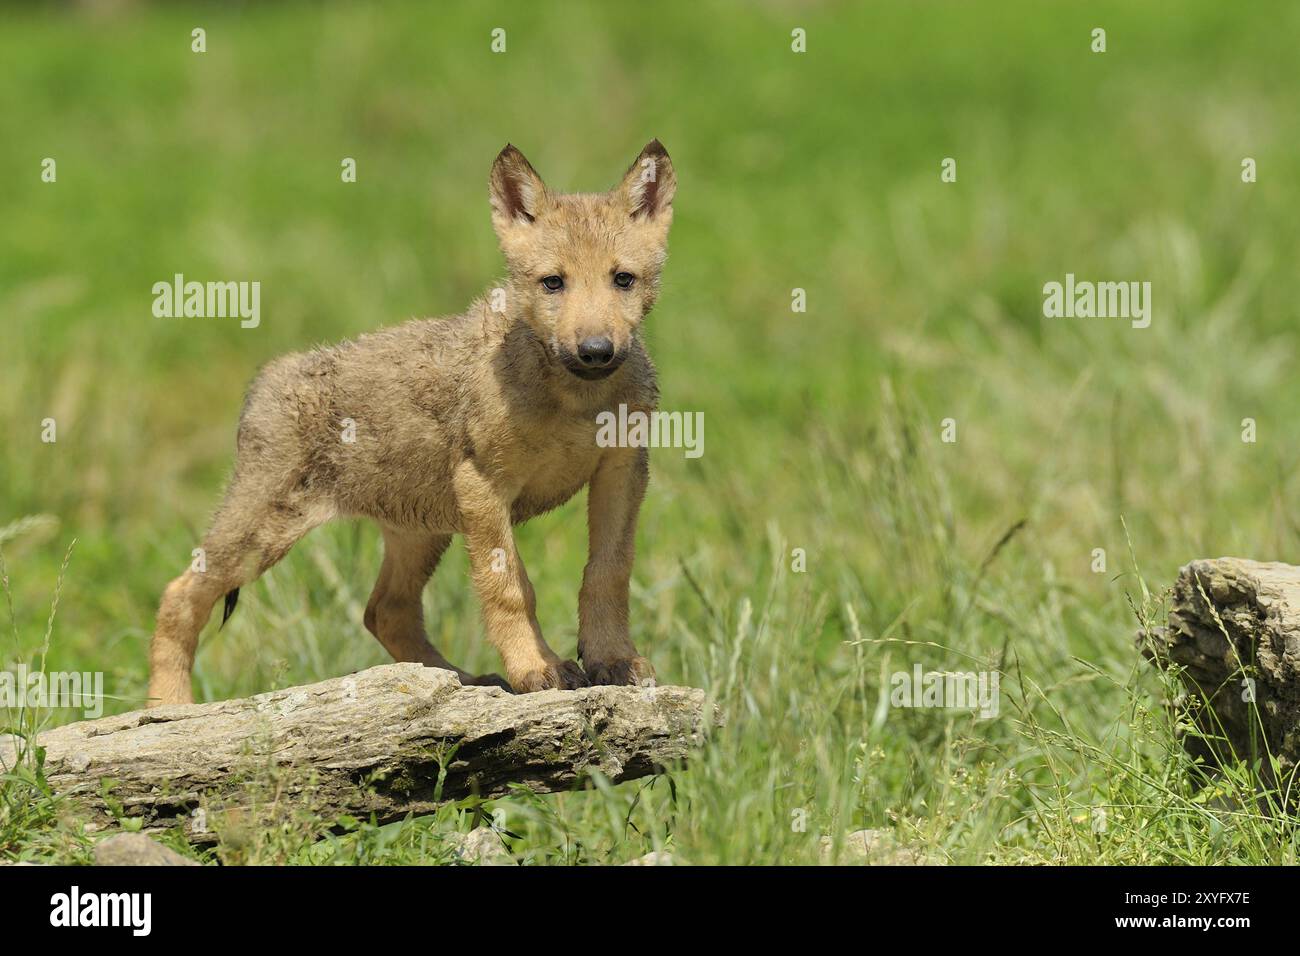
{"points": [[516, 191], [650, 183]]}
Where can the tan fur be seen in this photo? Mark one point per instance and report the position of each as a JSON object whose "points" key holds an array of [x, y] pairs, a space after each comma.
{"points": [[468, 426]]}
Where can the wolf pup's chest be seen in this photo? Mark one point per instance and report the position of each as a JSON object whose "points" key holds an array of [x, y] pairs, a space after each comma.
{"points": [[554, 461]]}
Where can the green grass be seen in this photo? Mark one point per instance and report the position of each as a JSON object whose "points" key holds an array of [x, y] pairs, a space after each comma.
{"points": [[817, 171]]}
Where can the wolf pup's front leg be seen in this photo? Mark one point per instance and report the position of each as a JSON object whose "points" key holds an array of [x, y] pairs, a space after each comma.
{"points": [[613, 501], [507, 596]]}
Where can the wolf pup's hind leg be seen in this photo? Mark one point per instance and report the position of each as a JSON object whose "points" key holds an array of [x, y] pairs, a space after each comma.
{"points": [[248, 535], [395, 611]]}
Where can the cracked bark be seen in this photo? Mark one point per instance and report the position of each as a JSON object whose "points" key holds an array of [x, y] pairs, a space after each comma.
{"points": [[1234, 629], [388, 741]]}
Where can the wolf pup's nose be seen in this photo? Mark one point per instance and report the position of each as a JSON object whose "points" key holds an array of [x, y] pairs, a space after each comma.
{"points": [[596, 352]]}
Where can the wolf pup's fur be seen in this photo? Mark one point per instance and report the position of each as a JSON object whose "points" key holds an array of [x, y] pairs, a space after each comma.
{"points": [[467, 425]]}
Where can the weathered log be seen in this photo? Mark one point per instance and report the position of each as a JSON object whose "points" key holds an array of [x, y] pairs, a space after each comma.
{"points": [[388, 741], [1234, 629]]}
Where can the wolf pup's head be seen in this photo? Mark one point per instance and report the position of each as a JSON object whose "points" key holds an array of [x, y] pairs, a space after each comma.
{"points": [[584, 269]]}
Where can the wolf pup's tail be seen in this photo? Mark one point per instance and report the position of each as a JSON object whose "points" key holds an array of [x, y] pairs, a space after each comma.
{"points": [[232, 598]]}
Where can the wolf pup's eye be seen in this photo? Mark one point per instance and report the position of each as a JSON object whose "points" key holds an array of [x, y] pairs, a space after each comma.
{"points": [[624, 280], [553, 283]]}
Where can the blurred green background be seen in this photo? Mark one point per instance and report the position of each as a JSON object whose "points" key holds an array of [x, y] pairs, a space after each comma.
{"points": [[817, 171]]}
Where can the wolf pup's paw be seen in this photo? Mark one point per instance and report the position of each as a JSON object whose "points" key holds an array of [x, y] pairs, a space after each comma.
{"points": [[558, 675], [486, 680], [634, 671]]}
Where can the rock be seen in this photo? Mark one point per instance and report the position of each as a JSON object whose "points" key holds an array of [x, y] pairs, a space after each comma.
{"points": [[1234, 629], [136, 849], [654, 858], [875, 848], [482, 847]]}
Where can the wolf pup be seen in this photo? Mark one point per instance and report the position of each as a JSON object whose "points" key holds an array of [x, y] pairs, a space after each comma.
{"points": [[467, 425]]}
